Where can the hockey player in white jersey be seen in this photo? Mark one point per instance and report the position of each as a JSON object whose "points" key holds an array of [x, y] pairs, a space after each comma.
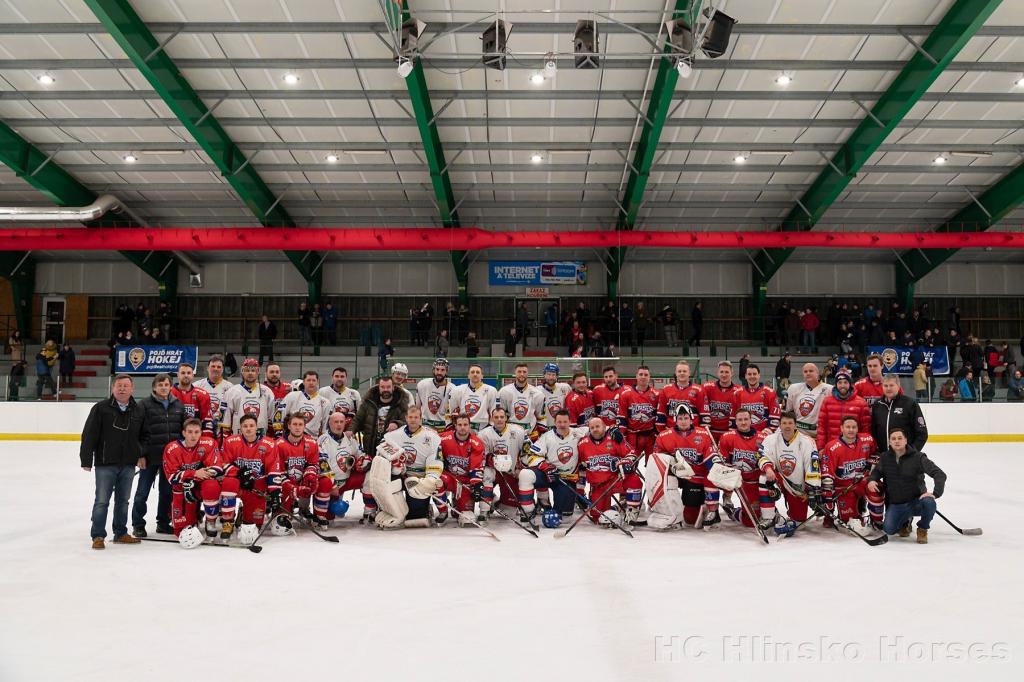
{"points": [[249, 397], [789, 461], [553, 463], [554, 393], [399, 373], [434, 396], [339, 395], [503, 447], [308, 402], [344, 461], [805, 398], [474, 399], [217, 386], [405, 473], [523, 402]]}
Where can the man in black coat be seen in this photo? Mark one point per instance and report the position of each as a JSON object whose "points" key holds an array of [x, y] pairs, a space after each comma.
{"points": [[110, 445], [382, 410], [164, 416], [901, 470], [267, 332], [894, 410]]}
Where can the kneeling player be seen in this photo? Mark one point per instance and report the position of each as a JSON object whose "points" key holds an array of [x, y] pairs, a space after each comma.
{"points": [[345, 462], [845, 465], [503, 447], [694, 453], [603, 455], [553, 463], [300, 459], [462, 455], [191, 465], [789, 458], [739, 448], [254, 461]]}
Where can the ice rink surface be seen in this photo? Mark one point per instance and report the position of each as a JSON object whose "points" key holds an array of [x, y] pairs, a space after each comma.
{"points": [[453, 604]]}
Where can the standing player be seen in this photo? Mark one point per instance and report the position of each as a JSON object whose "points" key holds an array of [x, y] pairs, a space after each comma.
{"points": [[693, 445], [553, 463], [399, 373], [603, 454], [280, 390], [843, 401], [462, 455], [554, 393], [580, 401], [474, 399], [195, 400], [870, 387], [308, 402], [249, 397], [805, 399], [638, 413], [345, 461], [522, 401], [845, 465], [606, 397], [191, 465], [739, 448], [339, 395], [255, 463], [717, 412], [682, 390], [217, 387], [788, 459], [504, 445], [299, 455], [434, 396], [759, 400], [414, 454]]}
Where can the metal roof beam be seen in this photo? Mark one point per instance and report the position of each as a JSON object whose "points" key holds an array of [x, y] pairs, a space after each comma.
{"points": [[142, 48]]}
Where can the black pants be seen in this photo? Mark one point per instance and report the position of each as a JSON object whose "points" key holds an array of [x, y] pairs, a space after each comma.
{"points": [[266, 349], [139, 504]]}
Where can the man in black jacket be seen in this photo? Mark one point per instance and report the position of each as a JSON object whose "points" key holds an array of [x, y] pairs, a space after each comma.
{"points": [[902, 469], [110, 445], [267, 332], [892, 411], [164, 416], [382, 410]]}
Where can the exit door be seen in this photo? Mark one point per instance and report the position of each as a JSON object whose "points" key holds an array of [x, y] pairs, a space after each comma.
{"points": [[536, 333], [54, 309]]}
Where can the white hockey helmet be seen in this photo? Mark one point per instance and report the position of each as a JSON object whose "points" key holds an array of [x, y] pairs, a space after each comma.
{"points": [[190, 537], [400, 368], [609, 518], [296, 384], [247, 534], [280, 529]]}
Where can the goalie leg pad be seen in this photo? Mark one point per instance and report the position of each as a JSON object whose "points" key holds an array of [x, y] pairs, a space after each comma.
{"points": [[663, 488], [389, 494]]}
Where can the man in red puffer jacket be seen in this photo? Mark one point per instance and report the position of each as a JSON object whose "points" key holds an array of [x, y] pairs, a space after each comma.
{"points": [[843, 401]]}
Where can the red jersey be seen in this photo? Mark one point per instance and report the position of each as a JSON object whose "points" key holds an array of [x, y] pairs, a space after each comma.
{"points": [[638, 411], [178, 458], [298, 459], [870, 390], [197, 405], [463, 457], [846, 462], [580, 406], [763, 405], [599, 459], [674, 395], [833, 409], [717, 413], [740, 450], [696, 446], [606, 403], [259, 456]]}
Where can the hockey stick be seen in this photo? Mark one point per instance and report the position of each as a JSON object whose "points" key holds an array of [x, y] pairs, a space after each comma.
{"points": [[505, 516], [267, 523], [309, 526], [958, 529], [469, 517], [873, 542], [204, 544], [590, 505], [745, 505], [823, 511]]}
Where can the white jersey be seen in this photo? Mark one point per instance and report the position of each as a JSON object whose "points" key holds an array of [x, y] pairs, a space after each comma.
{"points": [[806, 403], [347, 398], [525, 407], [315, 409], [796, 460], [434, 402], [554, 400], [340, 456], [476, 404], [410, 397], [562, 452], [504, 450], [259, 401], [217, 395], [420, 451]]}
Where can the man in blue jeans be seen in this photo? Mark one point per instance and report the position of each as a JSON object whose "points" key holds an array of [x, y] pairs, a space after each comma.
{"points": [[110, 445], [900, 473]]}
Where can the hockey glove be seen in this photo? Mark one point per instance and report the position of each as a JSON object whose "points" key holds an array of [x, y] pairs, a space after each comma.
{"points": [[616, 434], [627, 465], [274, 500], [813, 496], [549, 470], [188, 488], [476, 491], [247, 478]]}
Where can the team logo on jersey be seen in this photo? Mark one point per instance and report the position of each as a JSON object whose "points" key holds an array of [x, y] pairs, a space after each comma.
{"points": [[307, 413], [251, 406], [744, 460], [720, 410], [787, 463], [500, 449], [295, 467], [806, 405], [697, 440], [434, 403], [472, 406], [519, 409], [564, 453]]}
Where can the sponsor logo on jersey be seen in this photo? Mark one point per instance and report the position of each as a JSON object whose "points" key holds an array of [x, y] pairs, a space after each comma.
{"points": [[787, 464]]}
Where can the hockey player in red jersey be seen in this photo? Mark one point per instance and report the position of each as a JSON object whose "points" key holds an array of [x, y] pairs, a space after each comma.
{"points": [[739, 448], [693, 445], [462, 454], [580, 401], [192, 465], [300, 459], [638, 412], [603, 455], [682, 390], [717, 413], [870, 387], [280, 389], [843, 401], [846, 461], [759, 400], [606, 397], [255, 463], [195, 400]]}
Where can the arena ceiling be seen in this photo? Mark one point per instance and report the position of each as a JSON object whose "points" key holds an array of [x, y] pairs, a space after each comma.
{"points": [[340, 144]]}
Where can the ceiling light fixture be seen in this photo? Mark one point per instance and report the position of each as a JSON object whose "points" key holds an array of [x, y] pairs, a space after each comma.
{"points": [[404, 67], [332, 158], [741, 157], [536, 158], [784, 79], [291, 79], [550, 65], [46, 79], [537, 78], [1019, 82], [940, 160], [130, 158], [684, 68]]}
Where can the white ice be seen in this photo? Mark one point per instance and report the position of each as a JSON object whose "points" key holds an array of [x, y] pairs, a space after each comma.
{"points": [[453, 604]]}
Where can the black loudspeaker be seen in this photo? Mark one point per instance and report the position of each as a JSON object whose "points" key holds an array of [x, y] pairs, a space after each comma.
{"points": [[585, 44], [716, 38], [495, 37]]}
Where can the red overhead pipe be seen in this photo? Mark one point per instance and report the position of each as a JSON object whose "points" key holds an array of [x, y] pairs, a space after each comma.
{"points": [[471, 239]]}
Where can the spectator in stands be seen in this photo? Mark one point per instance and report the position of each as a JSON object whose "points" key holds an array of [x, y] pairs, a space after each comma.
{"points": [[472, 345], [641, 322], [156, 337], [16, 346], [17, 380], [576, 337], [1015, 387], [267, 332], [790, 328], [626, 326], [953, 343], [163, 418], [783, 368], [426, 322], [744, 363], [384, 353], [670, 321], [697, 325], [522, 325], [921, 380], [809, 324], [948, 392], [463, 322], [582, 314], [953, 320], [973, 354], [511, 341], [67, 364], [450, 319], [144, 322], [610, 323], [831, 367], [988, 389], [304, 319], [163, 320], [551, 325], [45, 360], [967, 387], [316, 324], [123, 318], [140, 318], [441, 344], [993, 359], [110, 444], [1009, 360], [330, 314]]}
